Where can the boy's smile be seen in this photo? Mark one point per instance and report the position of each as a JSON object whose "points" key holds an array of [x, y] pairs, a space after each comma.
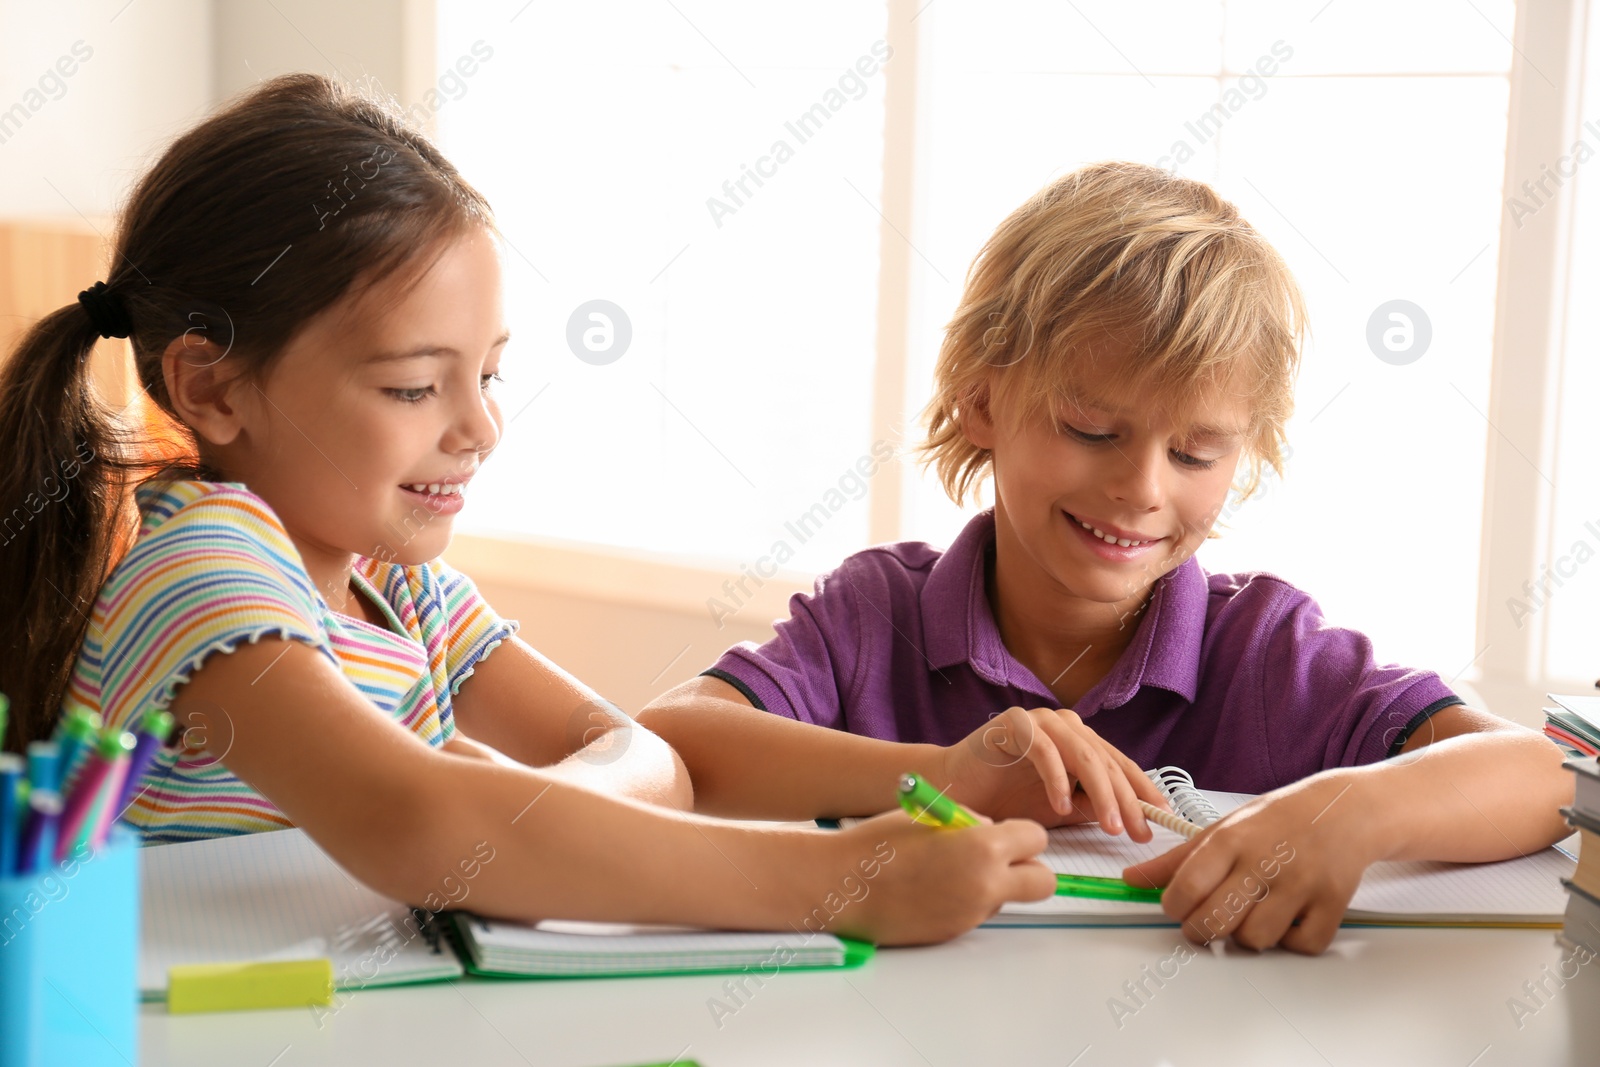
{"points": [[1113, 542]]}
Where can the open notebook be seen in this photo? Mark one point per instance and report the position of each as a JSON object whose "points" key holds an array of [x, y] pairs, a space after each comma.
{"points": [[1520, 892], [277, 896]]}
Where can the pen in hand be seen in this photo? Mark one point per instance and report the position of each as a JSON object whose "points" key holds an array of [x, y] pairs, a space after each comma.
{"points": [[931, 807]]}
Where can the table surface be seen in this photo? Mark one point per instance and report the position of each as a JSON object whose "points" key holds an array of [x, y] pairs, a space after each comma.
{"points": [[995, 996]]}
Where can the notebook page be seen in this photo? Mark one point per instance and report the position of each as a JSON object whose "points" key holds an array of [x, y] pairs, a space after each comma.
{"points": [[273, 896], [1529, 888], [1521, 890], [1087, 849]]}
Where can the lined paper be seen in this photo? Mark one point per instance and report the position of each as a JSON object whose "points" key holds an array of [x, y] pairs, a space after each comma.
{"points": [[274, 896], [1521, 890], [1518, 891]]}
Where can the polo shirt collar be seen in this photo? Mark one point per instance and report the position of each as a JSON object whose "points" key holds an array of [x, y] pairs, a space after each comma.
{"points": [[959, 627]]}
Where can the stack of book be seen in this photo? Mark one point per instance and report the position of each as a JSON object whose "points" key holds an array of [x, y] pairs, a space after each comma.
{"points": [[1574, 723], [1582, 921]]}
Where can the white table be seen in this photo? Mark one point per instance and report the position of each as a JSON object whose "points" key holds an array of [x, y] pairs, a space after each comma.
{"points": [[995, 996]]}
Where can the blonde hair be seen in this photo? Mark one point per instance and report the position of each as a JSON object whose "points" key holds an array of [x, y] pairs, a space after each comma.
{"points": [[1127, 252]]}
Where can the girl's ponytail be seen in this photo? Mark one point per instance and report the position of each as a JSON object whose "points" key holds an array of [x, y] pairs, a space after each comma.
{"points": [[251, 223], [61, 513]]}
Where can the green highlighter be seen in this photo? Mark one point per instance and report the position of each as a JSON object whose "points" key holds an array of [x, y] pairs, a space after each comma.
{"points": [[1088, 885], [931, 807]]}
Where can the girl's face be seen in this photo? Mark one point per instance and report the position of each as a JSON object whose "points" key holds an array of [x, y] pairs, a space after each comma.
{"points": [[368, 428], [1152, 482]]}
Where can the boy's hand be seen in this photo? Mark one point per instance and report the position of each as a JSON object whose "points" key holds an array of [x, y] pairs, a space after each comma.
{"points": [[902, 883], [1296, 854], [1028, 762]]}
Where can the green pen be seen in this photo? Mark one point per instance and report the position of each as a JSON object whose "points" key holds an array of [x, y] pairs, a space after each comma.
{"points": [[930, 806], [1088, 885]]}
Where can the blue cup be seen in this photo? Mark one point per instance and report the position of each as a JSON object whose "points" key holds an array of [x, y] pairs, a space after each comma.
{"points": [[69, 955]]}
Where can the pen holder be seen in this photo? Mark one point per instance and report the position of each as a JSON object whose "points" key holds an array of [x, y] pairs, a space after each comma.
{"points": [[69, 947]]}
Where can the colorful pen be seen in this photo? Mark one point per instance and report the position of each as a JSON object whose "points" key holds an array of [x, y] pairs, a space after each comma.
{"points": [[44, 763], [930, 806], [10, 814], [154, 730], [104, 811], [39, 835], [75, 733], [87, 786], [42, 769]]}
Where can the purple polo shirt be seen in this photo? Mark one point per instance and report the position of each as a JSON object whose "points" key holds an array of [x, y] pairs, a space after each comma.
{"points": [[1234, 677]]}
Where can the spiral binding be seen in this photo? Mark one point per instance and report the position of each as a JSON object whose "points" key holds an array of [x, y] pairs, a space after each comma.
{"points": [[1186, 799]]}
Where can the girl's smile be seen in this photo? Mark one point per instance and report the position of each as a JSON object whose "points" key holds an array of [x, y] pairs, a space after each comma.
{"points": [[367, 429], [443, 497]]}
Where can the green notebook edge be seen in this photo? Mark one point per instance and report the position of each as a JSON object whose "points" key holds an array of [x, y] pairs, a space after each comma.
{"points": [[856, 954]]}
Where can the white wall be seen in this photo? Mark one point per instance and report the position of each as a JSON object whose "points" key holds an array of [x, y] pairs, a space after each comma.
{"points": [[380, 45], [74, 143]]}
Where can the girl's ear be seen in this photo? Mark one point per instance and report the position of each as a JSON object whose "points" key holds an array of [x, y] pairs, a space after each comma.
{"points": [[977, 424], [202, 385]]}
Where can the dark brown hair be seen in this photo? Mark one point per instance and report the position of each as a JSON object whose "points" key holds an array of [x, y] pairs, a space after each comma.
{"points": [[295, 194]]}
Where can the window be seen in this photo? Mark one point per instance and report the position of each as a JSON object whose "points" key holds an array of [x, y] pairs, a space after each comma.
{"points": [[1373, 168], [632, 156], [715, 180]]}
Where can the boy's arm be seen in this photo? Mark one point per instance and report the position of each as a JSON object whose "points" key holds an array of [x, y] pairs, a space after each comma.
{"points": [[521, 704], [1466, 787], [750, 764], [1023, 762]]}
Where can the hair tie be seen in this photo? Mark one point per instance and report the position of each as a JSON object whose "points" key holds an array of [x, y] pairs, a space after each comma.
{"points": [[107, 314]]}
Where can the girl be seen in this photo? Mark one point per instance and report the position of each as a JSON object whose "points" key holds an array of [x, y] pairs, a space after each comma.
{"points": [[1125, 342], [312, 294]]}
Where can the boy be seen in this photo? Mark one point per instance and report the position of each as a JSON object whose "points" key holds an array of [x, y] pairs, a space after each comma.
{"points": [[1124, 343]]}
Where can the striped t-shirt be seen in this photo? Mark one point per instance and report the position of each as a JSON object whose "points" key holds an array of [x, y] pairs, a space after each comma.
{"points": [[212, 568]]}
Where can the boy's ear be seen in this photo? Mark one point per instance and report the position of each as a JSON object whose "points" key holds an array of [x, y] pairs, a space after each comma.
{"points": [[977, 423], [202, 383]]}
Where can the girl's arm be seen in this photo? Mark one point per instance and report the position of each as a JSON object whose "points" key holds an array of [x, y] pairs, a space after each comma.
{"points": [[1467, 787], [523, 705], [411, 821]]}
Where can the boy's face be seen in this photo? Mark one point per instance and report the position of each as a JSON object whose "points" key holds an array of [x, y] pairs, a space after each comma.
{"points": [[1151, 480]]}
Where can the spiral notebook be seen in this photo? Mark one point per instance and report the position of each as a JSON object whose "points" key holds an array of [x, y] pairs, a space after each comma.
{"points": [[1519, 892], [276, 896]]}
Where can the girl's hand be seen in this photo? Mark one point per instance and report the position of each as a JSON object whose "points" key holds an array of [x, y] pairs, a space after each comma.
{"points": [[897, 882], [1295, 855], [1027, 763]]}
